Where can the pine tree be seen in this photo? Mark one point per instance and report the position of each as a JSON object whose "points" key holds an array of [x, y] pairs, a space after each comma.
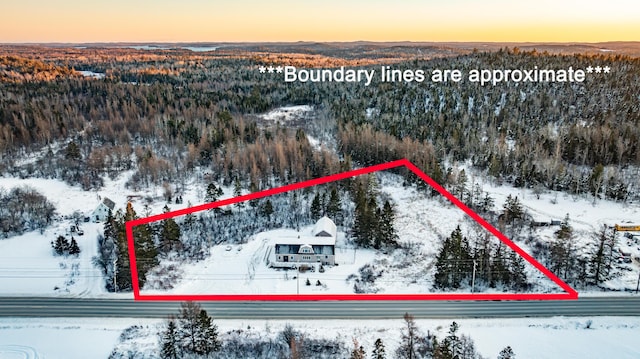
{"points": [[237, 192], [499, 267], [507, 353], [561, 251], [169, 342], [315, 209], [74, 249], [189, 326], [378, 350], [513, 209], [145, 249], [61, 245], [601, 261], [387, 232], [122, 270], [72, 151], [267, 209], [169, 236], [334, 207], [213, 193], [207, 335], [454, 263], [518, 277], [451, 346]]}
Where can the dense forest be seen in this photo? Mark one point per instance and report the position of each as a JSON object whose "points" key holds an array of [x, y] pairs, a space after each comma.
{"points": [[177, 110]]}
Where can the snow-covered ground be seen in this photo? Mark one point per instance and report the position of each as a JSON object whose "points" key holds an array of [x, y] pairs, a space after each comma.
{"points": [[559, 337], [421, 221], [27, 263], [62, 338], [586, 217], [244, 269], [286, 114], [95, 75], [28, 267]]}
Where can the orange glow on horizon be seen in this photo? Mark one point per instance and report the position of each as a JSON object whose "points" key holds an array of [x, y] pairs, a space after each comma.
{"points": [[282, 20]]}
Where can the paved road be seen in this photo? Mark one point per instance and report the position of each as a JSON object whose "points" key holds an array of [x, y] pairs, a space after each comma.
{"points": [[64, 307]]}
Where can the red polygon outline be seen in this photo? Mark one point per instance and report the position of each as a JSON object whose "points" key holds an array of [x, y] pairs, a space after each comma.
{"points": [[570, 293]]}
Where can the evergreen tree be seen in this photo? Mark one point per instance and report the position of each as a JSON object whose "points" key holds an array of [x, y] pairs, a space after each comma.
{"points": [[387, 233], [267, 209], [499, 267], [378, 350], [334, 207], [518, 277], [237, 192], [365, 222], [72, 151], [207, 335], [454, 263], [61, 245], [461, 185], [561, 252], [145, 249], [189, 332], [451, 346], [601, 260], [169, 236], [513, 209], [74, 249], [213, 193], [507, 353], [316, 208], [169, 342]]}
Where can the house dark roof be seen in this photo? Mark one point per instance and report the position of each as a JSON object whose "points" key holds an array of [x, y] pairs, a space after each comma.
{"points": [[109, 203]]}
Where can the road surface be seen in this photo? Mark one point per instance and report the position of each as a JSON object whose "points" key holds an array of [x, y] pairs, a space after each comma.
{"points": [[67, 307]]}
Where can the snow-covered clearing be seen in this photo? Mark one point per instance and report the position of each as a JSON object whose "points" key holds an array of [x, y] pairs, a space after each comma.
{"points": [[95, 75], [287, 114], [244, 269]]}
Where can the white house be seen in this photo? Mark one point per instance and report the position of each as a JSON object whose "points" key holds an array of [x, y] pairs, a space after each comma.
{"points": [[318, 247], [101, 212]]}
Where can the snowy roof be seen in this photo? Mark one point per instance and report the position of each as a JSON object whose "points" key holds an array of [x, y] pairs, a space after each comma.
{"points": [[309, 240], [325, 228]]}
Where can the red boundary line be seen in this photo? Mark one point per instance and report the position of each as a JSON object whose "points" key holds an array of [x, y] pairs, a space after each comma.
{"points": [[570, 293]]}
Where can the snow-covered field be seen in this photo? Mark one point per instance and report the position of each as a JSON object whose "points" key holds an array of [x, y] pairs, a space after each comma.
{"points": [[61, 338], [559, 337]]}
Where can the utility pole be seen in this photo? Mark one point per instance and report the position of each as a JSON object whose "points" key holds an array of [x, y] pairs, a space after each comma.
{"points": [[473, 277], [298, 280], [115, 274]]}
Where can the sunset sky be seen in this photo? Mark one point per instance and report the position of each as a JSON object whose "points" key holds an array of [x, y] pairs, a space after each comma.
{"points": [[329, 20]]}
